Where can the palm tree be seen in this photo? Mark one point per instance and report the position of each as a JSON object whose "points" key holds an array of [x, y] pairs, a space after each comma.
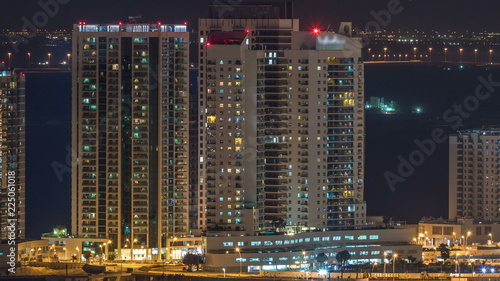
{"points": [[342, 258], [410, 260], [445, 252], [321, 258]]}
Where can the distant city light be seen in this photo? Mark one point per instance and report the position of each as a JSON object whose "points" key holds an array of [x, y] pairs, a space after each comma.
{"points": [[418, 110]]}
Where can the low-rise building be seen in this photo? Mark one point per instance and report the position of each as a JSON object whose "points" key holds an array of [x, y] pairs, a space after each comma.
{"points": [[298, 251]]}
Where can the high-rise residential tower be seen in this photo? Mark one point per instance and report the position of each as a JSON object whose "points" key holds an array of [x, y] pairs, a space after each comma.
{"points": [[130, 135], [12, 154], [474, 174], [281, 123]]}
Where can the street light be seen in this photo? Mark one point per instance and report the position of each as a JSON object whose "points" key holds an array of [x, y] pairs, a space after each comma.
{"points": [[29, 60], [100, 260], [430, 54], [68, 55], [491, 237], [467, 238], [475, 55], [373, 267], [9, 54], [65, 253], [461, 50], [239, 253], [415, 53], [385, 263], [369, 52], [53, 247], [49, 55], [132, 249], [445, 51], [491, 51], [385, 53], [78, 253], [394, 256]]}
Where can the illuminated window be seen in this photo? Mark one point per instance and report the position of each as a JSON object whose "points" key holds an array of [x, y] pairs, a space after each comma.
{"points": [[211, 119]]}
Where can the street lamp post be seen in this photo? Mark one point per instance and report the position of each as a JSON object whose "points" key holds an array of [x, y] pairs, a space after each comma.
{"points": [[65, 253], [461, 51], [491, 52], [467, 238], [430, 54], [369, 52], [415, 53], [132, 249], [100, 260], [475, 55], [239, 253], [445, 51], [394, 256], [29, 60], [491, 237], [69, 56], [49, 55], [385, 54], [385, 263], [373, 267], [9, 54], [53, 247]]}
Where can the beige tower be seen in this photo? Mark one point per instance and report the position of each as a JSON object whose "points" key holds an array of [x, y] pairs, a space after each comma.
{"points": [[281, 123]]}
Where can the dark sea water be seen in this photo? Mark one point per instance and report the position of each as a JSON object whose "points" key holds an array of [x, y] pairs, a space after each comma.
{"points": [[424, 193], [435, 89]]}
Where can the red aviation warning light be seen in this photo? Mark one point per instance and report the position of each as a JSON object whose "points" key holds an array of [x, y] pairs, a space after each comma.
{"points": [[247, 30], [209, 44], [316, 30]]}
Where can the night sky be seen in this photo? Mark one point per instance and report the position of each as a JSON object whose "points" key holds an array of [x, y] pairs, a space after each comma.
{"points": [[439, 15], [49, 107]]}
